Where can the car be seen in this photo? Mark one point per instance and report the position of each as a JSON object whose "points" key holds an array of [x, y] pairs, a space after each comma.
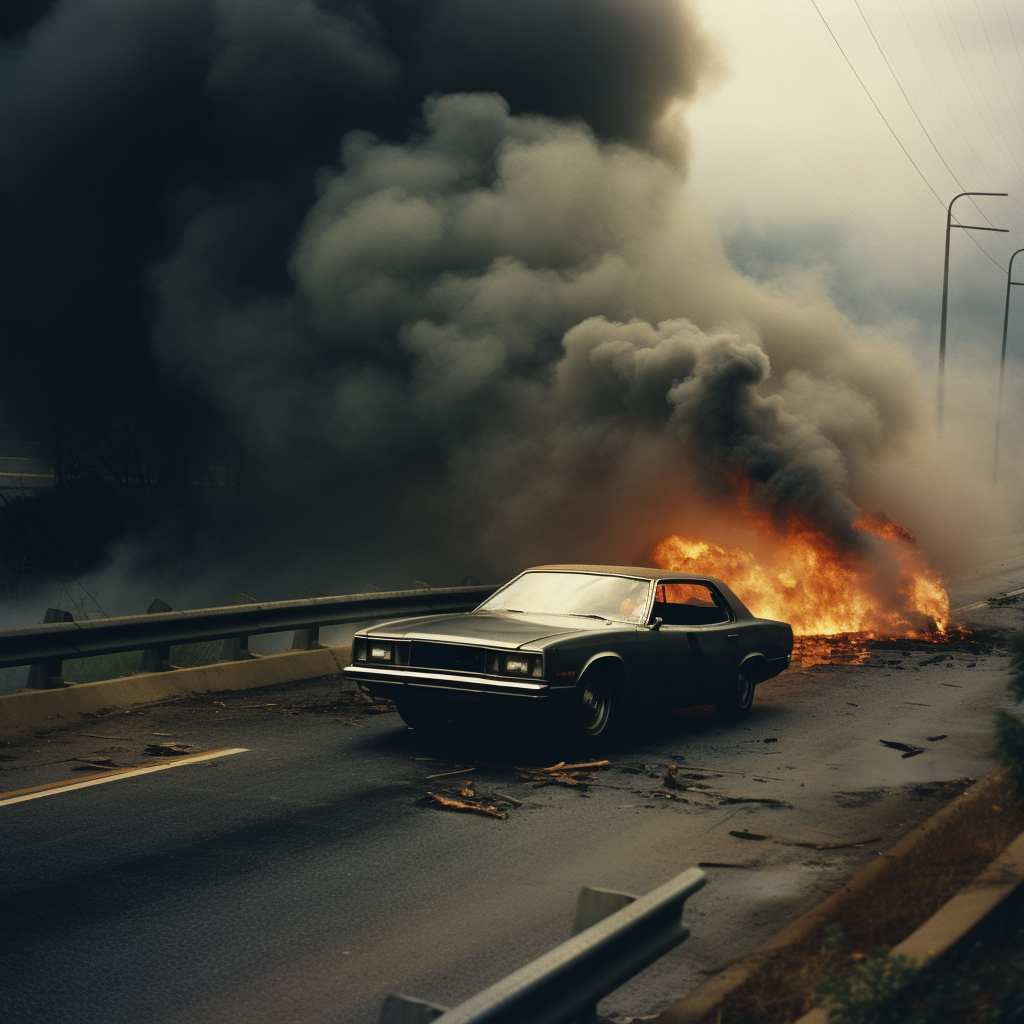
{"points": [[594, 644]]}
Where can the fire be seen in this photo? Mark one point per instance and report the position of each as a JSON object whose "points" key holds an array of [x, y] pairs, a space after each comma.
{"points": [[807, 581]]}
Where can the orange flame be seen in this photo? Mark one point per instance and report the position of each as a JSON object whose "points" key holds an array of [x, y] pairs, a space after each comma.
{"points": [[807, 581]]}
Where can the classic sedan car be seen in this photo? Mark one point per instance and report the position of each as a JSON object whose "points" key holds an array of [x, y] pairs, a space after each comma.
{"points": [[594, 643]]}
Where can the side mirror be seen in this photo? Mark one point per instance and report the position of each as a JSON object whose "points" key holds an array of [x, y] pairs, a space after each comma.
{"points": [[658, 622]]}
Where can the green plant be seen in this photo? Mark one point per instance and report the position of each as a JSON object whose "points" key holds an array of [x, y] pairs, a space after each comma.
{"points": [[868, 992]]}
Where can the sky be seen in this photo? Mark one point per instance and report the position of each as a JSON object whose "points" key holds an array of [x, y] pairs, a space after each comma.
{"points": [[841, 129]]}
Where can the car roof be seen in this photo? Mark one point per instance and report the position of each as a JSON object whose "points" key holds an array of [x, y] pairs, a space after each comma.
{"points": [[628, 570]]}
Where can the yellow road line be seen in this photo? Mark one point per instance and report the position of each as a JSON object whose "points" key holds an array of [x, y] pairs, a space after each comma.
{"points": [[50, 788]]}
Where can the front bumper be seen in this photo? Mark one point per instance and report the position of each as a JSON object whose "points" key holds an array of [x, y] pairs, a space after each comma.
{"points": [[394, 680]]}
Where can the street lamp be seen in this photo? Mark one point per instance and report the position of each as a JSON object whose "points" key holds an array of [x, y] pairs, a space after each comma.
{"points": [[945, 284], [1002, 361]]}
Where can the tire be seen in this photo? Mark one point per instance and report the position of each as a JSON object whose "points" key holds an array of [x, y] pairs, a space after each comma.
{"points": [[596, 713], [736, 699]]}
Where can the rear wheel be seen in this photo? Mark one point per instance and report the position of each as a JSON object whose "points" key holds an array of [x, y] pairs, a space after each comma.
{"points": [[736, 699]]}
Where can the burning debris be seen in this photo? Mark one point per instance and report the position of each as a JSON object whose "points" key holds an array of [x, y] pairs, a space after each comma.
{"points": [[867, 649]]}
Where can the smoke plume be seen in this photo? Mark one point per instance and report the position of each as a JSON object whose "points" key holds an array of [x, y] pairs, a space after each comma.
{"points": [[423, 275]]}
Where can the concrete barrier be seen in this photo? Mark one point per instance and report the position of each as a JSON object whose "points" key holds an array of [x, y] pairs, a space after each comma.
{"points": [[31, 711]]}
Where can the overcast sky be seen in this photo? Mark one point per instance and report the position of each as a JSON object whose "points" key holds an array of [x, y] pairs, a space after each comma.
{"points": [[846, 180]]}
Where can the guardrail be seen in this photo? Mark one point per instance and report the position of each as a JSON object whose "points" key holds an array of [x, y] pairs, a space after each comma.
{"points": [[51, 643], [564, 984]]}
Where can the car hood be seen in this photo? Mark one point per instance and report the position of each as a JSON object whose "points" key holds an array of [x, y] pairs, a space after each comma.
{"points": [[491, 628]]}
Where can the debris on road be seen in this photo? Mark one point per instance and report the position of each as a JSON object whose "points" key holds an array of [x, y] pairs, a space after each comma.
{"points": [[664, 794], [562, 774], [168, 749], [747, 835], [465, 801], [839, 846], [457, 771], [729, 771], [349, 705], [909, 748], [933, 739]]}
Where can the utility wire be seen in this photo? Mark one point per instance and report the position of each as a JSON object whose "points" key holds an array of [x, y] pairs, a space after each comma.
{"points": [[910, 104], [867, 92]]}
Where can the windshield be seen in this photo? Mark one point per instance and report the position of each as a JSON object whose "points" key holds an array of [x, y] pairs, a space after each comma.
{"points": [[573, 593]]}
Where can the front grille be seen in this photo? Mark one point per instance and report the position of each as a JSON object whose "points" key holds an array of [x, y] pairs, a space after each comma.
{"points": [[452, 657]]}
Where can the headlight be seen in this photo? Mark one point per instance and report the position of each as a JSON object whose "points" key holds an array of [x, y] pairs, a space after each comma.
{"points": [[522, 665], [380, 651]]}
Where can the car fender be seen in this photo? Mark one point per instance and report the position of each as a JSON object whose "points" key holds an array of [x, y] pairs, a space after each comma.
{"points": [[620, 668], [759, 668]]}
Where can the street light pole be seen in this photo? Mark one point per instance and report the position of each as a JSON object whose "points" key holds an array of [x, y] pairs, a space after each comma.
{"points": [[1002, 361], [945, 286]]}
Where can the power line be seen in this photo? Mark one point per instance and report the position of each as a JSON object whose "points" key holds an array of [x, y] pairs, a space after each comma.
{"points": [[867, 92]]}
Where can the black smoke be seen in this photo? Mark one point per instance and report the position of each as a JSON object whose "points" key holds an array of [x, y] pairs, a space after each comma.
{"points": [[339, 291]]}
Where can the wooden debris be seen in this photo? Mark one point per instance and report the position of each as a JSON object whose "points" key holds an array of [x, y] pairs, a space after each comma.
{"points": [[469, 803], [458, 771], [563, 774]]}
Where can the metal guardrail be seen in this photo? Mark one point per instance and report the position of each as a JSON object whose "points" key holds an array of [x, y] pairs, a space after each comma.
{"points": [[567, 982], [51, 643]]}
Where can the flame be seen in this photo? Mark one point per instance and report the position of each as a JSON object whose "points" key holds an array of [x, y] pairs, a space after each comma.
{"points": [[806, 580]]}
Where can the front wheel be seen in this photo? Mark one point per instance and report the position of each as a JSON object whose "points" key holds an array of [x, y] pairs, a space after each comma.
{"points": [[736, 699], [420, 714], [596, 712]]}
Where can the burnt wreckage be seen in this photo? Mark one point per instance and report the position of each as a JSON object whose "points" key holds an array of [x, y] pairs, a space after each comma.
{"points": [[593, 642]]}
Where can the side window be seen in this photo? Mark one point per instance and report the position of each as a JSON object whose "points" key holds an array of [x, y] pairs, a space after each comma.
{"points": [[688, 604]]}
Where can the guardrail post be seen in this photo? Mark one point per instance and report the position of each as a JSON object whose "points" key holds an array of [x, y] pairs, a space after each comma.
{"points": [[593, 905], [156, 659], [399, 1009], [236, 648], [47, 675], [308, 639], [620, 936]]}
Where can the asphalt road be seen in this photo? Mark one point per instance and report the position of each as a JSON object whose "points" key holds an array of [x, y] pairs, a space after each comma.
{"points": [[301, 880]]}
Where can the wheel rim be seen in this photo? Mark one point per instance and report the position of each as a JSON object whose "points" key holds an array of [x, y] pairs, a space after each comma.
{"points": [[744, 688], [595, 705]]}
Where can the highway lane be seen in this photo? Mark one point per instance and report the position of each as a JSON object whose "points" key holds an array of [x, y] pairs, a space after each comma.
{"points": [[300, 880]]}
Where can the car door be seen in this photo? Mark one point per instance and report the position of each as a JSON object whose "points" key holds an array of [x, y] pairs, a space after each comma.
{"points": [[698, 640]]}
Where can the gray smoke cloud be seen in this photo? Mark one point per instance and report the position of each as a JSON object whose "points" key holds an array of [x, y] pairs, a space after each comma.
{"points": [[433, 269], [507, 332]]}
